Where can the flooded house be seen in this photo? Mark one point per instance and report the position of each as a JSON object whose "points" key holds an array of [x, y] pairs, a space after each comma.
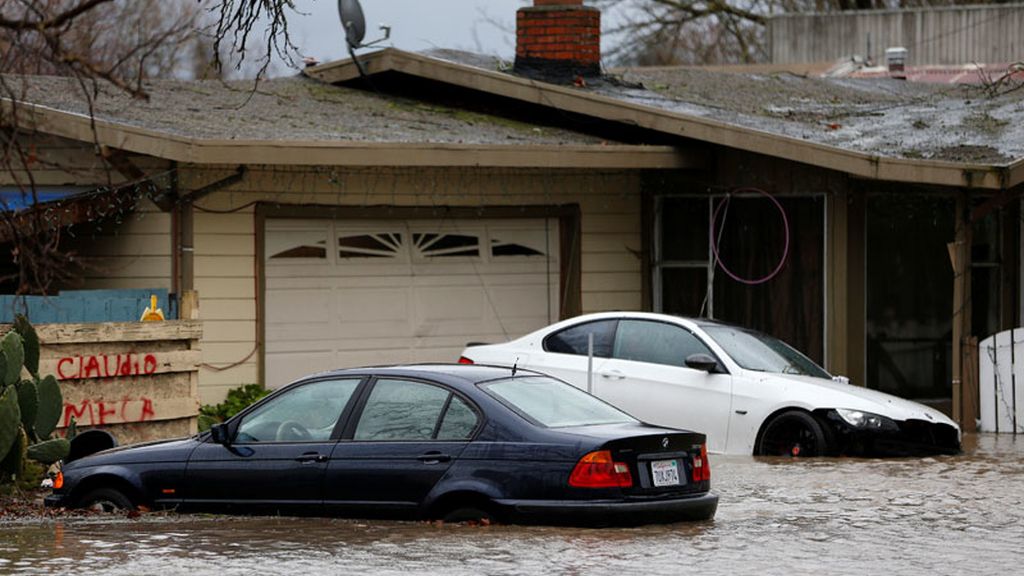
{"points": [[395, 208]]}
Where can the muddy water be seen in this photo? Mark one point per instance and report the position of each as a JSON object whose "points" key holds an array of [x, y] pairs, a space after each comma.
{"points": [[949, 515]]}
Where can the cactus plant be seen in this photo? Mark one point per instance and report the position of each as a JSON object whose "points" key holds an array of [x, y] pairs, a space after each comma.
{"points": [[28, 402], [14, 353], [11, 465], [51, 404], [49, 451], [10, 419], [29, 409], [30, 343]]}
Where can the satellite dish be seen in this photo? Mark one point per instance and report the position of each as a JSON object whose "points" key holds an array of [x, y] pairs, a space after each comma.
{"points": [[353, 21]]}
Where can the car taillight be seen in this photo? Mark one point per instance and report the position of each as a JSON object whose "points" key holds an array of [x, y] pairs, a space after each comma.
{"points": [[464, 360], [599, 470], [701, 465]]}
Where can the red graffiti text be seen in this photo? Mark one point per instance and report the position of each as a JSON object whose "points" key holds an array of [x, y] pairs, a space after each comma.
{"points": [[99, 411], [105, 366]]}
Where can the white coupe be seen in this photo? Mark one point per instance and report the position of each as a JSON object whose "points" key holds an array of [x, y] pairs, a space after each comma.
{"points": [[749, 392]]}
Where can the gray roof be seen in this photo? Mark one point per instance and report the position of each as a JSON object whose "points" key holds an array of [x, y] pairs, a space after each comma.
{"points": [[289, 109], [884, 117]]}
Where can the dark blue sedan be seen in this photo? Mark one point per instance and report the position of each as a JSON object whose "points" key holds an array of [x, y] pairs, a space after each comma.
{"points": [[445, 442]]}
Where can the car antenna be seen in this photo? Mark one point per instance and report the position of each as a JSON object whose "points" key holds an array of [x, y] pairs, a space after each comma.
{"points": [[514, 365]]}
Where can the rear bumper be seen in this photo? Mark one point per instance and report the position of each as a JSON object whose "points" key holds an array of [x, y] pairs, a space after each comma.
{"points": [[611, 512]]}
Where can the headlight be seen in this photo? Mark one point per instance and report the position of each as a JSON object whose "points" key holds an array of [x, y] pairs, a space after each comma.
{"points": [[866, 420]]}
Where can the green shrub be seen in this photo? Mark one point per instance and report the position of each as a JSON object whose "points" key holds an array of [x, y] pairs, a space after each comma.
{"points": [[238, 399]]}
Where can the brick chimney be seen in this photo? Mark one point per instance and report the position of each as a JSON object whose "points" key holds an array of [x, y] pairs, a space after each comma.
{"points": [[558, 40]]}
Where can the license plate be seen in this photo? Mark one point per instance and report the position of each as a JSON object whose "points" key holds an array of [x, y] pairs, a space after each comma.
{"points": [[665, 472]]}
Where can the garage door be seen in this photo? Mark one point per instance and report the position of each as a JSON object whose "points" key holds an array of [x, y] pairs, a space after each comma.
{"points": [[342, 294]]}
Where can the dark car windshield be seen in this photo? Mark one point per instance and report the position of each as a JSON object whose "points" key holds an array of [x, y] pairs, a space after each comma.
{"points": [[755, 351], [553, 403]]}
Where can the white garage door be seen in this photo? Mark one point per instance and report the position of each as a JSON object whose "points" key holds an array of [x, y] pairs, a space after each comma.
{"points": [[342, 294]]}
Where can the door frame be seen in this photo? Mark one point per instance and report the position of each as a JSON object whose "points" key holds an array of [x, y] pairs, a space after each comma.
{"points": [[569, 234]]}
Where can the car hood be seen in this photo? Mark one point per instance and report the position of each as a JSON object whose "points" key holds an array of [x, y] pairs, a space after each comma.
{"points": [[832, 394], [162, 450]]}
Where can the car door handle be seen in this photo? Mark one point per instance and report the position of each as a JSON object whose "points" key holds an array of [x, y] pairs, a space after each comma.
{"points": [[434, 458], [613, 375], [309, 457]]}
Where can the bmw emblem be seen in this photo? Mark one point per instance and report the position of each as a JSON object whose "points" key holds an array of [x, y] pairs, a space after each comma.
{"points": [[664, 442]]}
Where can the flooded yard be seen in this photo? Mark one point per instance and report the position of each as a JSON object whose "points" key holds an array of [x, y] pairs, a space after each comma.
{"points": [[945, 515]]}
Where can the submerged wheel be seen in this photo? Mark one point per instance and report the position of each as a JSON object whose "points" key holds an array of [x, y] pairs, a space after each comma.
{"points": [[469, 514], [107, 500], [793, 433]]}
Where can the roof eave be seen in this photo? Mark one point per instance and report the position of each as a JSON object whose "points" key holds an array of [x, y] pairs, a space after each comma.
{"points": [[350, 153], [858, 164]]}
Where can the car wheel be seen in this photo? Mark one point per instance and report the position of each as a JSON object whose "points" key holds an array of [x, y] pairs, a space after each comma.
{"points": [[469, 514], [107, 500], [793, 433]]}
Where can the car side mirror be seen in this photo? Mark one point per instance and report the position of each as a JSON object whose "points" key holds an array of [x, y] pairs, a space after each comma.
{"points": [[219, 434], [701, 361]]}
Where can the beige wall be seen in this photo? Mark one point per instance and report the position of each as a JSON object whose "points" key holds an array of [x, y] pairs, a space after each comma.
{"points": [[225, 243], [132, 253]]}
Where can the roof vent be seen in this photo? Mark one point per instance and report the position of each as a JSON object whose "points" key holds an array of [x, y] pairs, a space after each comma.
{"points": [[896, 59], [558, 40]]}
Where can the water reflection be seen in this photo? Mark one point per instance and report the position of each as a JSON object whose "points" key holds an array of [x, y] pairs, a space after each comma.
{"points": [[943, 515]]}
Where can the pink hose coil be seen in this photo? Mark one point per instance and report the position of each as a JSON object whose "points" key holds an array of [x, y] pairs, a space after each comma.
{"points": [[714, 239]]}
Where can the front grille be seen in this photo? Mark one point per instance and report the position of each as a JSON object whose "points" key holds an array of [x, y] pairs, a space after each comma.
{"points": [[923, 433]]}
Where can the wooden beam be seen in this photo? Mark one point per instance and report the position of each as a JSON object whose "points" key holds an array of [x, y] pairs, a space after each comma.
{"points": [[117, 332]]}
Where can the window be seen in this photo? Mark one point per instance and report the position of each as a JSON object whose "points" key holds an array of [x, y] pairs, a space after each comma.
{"points": [[402, 410], [446, 245], [756, 351], [307, 413], [459, 421], [386, 245], [656, 342], [553, 403], [302, 245], [575, 340]]}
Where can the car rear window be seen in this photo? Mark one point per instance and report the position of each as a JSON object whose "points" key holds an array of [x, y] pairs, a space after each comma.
{"points": [[553, 403]]}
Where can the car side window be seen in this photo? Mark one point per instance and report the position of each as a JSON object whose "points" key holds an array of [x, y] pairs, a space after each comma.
{"points": [[574, 340], [307, 413], [401, 410], [656, 342], [459, 421]]}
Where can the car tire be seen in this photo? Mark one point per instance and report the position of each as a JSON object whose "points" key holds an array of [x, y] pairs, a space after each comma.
{"points": [[469, 514], [107, 500], [793, 433]]}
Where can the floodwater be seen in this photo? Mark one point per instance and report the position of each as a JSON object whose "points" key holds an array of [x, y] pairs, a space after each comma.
{"points": [[946, 515]]}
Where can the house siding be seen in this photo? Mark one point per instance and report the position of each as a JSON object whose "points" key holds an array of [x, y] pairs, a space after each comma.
{"points": [[225, 243]]}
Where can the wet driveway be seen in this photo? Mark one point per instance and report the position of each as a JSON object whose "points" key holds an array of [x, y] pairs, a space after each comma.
{"points": [[947, 515]]}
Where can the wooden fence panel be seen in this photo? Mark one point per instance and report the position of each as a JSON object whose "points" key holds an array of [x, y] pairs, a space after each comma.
{"points": [[138, 380], [942, 35]]}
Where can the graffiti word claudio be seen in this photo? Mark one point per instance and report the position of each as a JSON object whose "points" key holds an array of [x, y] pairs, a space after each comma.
{"points": [[106, 366], [98, 412]]}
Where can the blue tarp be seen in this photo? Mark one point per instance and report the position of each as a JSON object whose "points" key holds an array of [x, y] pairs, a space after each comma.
{"points": [[76, 306], [13, 198]]}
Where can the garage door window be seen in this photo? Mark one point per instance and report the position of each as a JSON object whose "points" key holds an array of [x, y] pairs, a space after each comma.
{"points": [[386, 245], [446, 245]]}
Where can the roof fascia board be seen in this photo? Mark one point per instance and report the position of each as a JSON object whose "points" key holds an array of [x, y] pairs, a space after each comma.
{"points": [[856, 163], [348, 153]]}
